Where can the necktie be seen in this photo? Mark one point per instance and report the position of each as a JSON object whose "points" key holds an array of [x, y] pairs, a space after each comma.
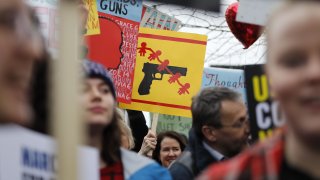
{"points": [[223, 159]]}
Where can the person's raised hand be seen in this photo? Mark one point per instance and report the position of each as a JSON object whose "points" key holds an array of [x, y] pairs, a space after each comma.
{"points": [[149, 143]]}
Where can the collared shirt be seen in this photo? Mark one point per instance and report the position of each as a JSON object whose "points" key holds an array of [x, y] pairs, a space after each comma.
{"points": [[262, 161], [213, 152]]}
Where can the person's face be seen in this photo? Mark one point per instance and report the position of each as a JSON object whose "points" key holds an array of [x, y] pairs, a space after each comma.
{"points": [[20, 47], [293, 68], [169, 151], [232, 136], [98, 102]]}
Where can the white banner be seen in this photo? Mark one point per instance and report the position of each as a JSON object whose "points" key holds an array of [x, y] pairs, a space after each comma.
{"points": [[26, 155]]}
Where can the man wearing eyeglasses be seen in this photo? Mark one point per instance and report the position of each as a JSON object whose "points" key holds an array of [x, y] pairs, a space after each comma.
{"points": [[220, 130]]}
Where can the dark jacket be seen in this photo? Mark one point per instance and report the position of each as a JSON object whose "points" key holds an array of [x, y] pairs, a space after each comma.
{"points": [[194, 159], [138, 126], [265, 160]]}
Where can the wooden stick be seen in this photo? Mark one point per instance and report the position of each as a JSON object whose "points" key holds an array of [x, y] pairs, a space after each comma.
{"points": [[154, 124], [68, 127]]}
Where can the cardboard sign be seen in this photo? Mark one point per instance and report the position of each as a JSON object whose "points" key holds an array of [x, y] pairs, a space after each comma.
{"points": [[92, 25], [48, 16], [127, 9], [25, 155], [168, 71], [155, 19], [256, 11], [264, 113], [115, 48], [174, 123], [222, 77]]}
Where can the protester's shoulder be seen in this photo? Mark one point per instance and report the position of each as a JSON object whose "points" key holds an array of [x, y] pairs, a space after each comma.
{"points": [[179, 171], [134, 159], [184, 159], [141, 167], [227, 169], [240, 165], [182, 167]]}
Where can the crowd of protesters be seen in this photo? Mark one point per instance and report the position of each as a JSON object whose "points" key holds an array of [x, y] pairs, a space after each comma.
{"points": [[217, 146]]}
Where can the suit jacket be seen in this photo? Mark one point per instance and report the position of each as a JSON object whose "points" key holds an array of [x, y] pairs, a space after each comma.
{"points": [[192, 161]]}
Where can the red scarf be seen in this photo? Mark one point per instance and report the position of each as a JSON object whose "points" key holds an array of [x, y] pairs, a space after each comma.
{"points": [[113, 172]]}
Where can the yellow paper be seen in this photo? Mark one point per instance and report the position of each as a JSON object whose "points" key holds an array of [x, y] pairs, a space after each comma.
{"points": [[185, 53], [92, 26]]}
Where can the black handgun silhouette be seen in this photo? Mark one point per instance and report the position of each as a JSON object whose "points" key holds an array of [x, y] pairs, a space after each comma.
{"points": [[150, 70]]}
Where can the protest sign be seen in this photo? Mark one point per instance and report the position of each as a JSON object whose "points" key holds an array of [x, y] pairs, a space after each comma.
{"points": [[168, 71], [222, 77], [92, 25], [264, 113], [174, 123], [129, 9], [155, 19], [25, 155], [46, 10], [115, 46]]}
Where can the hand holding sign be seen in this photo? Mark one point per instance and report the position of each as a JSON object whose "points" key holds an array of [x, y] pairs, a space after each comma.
{"points": [[149, 144]]}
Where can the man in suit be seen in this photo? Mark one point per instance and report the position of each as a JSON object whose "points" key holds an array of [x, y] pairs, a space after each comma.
{"points": [[220, 130]]}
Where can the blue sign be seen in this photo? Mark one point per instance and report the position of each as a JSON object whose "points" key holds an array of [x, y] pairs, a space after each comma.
{"points": [[221, 77], [127, 9]]}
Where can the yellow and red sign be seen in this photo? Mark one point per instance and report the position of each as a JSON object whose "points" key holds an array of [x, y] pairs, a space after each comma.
{"points": [[168, 71], [92, 25]]}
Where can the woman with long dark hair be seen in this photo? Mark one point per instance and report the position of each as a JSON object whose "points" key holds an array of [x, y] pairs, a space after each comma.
{"points": [[99, 101]]}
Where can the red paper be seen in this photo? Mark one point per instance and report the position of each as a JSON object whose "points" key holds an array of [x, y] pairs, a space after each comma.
{"points": [[115, 48]]}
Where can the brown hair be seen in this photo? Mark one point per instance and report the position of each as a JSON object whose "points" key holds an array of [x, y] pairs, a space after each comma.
{"points": [[206, 107], [125, 129], [171, 134], [111, 141]]}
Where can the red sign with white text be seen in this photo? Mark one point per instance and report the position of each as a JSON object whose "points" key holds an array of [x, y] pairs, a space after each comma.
{"points": [[115, 48]]}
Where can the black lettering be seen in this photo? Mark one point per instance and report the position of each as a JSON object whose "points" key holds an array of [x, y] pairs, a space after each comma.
{"points": [[125, 10], [112, 8], [132, 2], [234, 85], [118, 7], [103, 4], [210, 76]]}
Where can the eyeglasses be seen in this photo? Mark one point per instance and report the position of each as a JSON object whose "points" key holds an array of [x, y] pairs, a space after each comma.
{"points": [[237, 125]]}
